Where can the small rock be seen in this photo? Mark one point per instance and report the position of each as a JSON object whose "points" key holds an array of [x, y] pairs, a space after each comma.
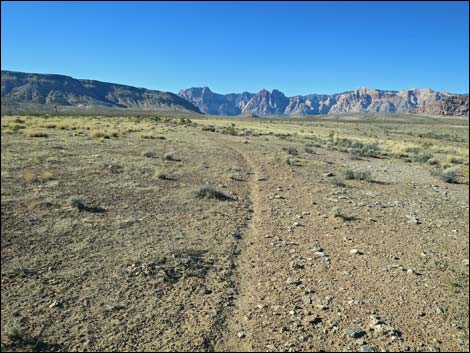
{"points": [[354, 332], [54, 304], [311, 319], [294, 281], [355, 252], [368, 348], [241, 334]]}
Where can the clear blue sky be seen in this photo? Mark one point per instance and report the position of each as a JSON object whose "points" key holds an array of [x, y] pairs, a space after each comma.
{"points": [[296, 47]]}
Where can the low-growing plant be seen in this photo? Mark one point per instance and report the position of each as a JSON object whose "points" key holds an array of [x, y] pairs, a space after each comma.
{"points": [[208, 192], [448, 175], [14, 330], [350, 174], [99, 134], [455, 160], [421, 157], [17, 127], [309, 150], [37, 133], [292, 151], [150, 137], [77, 202], [434, 161], [337, 182], [81, 204], [210, 128], [230, 130], [162, 175], [170, 156], [29, 176], [149, 154]]}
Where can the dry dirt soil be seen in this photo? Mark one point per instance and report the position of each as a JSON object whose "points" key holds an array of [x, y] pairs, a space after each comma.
{"points": [[165, 236]]}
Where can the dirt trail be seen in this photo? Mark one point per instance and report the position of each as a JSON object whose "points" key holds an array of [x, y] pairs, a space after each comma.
{"points": [[235, 337]]}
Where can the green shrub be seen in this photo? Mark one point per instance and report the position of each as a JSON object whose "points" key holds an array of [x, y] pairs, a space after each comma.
{"points": [[421, 157]]}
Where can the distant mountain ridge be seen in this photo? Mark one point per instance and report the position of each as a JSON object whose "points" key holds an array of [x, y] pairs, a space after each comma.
{"points": [[49, 90], [30, 92], [265, 103]]}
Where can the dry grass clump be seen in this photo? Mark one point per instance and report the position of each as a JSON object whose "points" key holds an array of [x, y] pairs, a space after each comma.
{"points": [[455, 160], [421, 157], [350, 174], [434, 161], [448, 175], [30, 177], [81, 204], [169, 156], [208, 192], [149, 154], [162, 175], [150, 137], [356, 148], [337, 182], [37, 133], [17, 127], [292, 151], [99, 134], [77, 202], [49, 126]]}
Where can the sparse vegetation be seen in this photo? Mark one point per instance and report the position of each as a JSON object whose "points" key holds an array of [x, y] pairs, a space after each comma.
{"points": [[162, 175], [434, 161], [210, 128], [37, 133], [77, 202], [170, 156], [456, 160], [17, 127], [208, 192], [99, 134], [149, 154], [337, 182], [350, 174], [309, 150], [356, 148], [258, 222], [292, 151], [449, 175], [421, 157]]}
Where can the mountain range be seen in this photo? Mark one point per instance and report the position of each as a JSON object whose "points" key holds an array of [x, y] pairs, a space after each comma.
{"points": [[29, 92], [44, 90], [265, 103]]}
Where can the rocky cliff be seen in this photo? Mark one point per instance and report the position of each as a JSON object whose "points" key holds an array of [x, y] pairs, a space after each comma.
{"points": [[51, 90], [274, 102]]}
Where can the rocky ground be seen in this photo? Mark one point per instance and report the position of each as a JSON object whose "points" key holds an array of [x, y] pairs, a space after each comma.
{"points": [[169, 236]]}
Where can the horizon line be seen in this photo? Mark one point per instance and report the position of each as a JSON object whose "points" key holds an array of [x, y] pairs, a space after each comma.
{"points": [[263, 89]]}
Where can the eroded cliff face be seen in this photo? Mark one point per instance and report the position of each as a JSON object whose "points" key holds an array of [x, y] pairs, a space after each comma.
{"points": [[360, 100], [452, 105], [42, 89]]}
